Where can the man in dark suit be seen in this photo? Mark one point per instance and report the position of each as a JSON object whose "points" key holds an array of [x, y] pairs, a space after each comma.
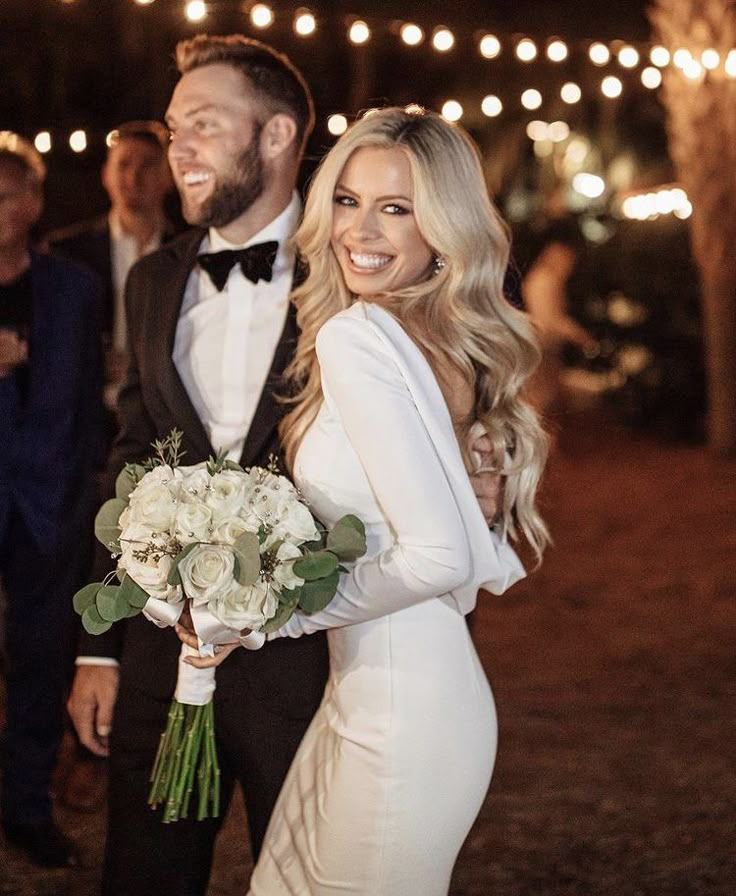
{"points": [[136, 178], [50, 446], [208, 348]]}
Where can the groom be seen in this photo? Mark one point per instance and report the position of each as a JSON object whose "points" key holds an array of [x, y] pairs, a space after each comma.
{"points": [[209, 342]]}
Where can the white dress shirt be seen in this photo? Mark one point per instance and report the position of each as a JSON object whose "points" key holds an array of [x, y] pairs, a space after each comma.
{"points": [[124, 252], [225, 341]]}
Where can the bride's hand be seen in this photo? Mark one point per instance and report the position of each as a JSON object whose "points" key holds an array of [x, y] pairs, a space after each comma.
{"points": [[185, 631]]}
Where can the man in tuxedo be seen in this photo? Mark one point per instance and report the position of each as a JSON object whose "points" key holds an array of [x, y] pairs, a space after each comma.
{"points": [[208, 347], [136, 178], [50, 446]]}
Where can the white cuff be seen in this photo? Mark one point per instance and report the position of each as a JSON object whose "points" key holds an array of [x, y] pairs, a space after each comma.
{"points": [[96, 661]]}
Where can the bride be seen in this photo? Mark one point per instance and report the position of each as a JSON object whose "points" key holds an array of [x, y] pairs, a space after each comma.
{"points": [[406, 345]]}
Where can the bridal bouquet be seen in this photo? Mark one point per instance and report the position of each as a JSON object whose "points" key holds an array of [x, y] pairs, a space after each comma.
{"points": [[242, 550]]}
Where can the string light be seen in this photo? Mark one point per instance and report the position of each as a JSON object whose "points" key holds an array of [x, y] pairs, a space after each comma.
{"points": [[537, 130], [43, 141], [526, 50], [337, 124], [589, 185], [261, 16], [730, 65], [558, 131], [491, 106], [659, 56], [443, 39], [570, 93], [110, 138], [489, 46], [411, 34], [611, 87], [682, 58], [304, 23], [531, 99], [557, 51], [710, 59], [144, 2], [359, 32], [665, 201], [628, 57], [599, 54], [78, 141], [693, 70], [196, 10], [651, 77], [452, 110]]}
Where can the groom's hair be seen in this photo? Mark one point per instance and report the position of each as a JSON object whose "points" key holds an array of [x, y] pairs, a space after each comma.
{"points": [[278, 83]]}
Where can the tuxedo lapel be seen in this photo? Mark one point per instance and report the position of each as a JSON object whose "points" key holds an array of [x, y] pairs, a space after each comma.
{"points": [[165, 310], [270, 411]]}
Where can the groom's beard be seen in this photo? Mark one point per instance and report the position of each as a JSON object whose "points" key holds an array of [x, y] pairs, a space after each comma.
{"points": [[235, 195]]}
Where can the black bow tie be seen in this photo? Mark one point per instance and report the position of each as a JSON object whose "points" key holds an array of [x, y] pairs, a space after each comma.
{"points": [[256, 263]]}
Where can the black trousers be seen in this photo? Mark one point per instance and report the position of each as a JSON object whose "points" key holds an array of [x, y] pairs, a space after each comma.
{"points": [[40, 634], [256, 743]]}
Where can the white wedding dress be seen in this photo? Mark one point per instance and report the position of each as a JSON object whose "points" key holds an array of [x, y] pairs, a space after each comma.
{"points": [[395, 766]]}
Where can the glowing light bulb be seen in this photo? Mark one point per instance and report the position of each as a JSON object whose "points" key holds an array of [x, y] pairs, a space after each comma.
{"points": [[628, 57], [558, 131], [43, 141], [659, 56], [491, 106], [611, 87], [490, 46], [651, 77], [443, 39], [261, 16], [411, 34], [526, 50], [537, 130], [710, 59], [359, 33], [452, 110], [682, 58], [589, 185], [557, 51], [196, 10], [730, 65], [570, 93], [304, 23], [531, 99], [693, 70], [78, 141], [337, 124], [599, 53]]}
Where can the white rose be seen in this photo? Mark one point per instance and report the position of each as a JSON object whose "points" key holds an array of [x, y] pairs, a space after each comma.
{"points": [[242, 607], [153, 500], [193, 483], [149, 573], [225, 494], [193, 522], [207, 572], [295, 522], [230, 530]]}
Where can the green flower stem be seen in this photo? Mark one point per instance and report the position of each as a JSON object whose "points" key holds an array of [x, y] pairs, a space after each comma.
{"points": [[187, 748]]}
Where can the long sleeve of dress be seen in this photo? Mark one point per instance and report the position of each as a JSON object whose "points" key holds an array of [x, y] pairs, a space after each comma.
{"points": [[430, 555]]}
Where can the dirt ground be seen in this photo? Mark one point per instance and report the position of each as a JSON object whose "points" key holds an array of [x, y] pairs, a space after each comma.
{"points": [[614, 671]]}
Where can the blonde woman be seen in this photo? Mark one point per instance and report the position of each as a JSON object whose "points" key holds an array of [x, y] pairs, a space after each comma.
{"points": [[406, 343]]}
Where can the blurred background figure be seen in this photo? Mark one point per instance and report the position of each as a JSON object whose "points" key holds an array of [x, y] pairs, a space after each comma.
{"points": [[136, 178], [50, 446], [545, 291]]}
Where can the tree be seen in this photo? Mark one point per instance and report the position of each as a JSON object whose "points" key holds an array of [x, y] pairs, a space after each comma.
{"points": [[701, 124]]}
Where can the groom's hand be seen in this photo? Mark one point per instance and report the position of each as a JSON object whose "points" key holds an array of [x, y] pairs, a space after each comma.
{"points": [[486, 482], [91, 703]]}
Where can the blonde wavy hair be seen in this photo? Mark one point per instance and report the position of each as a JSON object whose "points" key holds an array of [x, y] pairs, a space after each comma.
{"points": [[457, 315]]}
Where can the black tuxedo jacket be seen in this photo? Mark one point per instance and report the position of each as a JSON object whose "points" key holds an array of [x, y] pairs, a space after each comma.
{"points": [[152, 402]]}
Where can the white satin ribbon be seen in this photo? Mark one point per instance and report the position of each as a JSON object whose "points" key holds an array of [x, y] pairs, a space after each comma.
{"points": [[163, 613], [194, 687]]}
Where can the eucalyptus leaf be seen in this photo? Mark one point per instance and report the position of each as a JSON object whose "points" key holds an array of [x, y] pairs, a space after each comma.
{"points": [[316, 566], [288, 600], [85, 597], [347, 538], [93, 622], [317, 594], [111, 604], [127, 481], [135, 596], [133, 611], [107, 530], [174, 576], [248, 555]]}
